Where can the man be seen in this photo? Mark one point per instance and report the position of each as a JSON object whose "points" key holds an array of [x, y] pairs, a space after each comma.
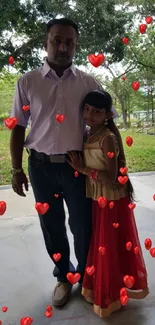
{"points": [[58, 87]]}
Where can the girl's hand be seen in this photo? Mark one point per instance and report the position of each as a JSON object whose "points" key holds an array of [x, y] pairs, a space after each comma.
{"points": [[76, 161]]}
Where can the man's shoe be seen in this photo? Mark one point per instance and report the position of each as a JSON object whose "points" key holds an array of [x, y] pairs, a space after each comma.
{"points": [[61, 293]]}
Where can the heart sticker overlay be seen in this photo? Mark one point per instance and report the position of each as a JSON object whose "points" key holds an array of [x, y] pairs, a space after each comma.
{"points": [[128, 246], [122, 179], [129, 141], [135, 85], [149, 20], [110, 154], [76, 174], [96, 60], [73, 278], [123, 170], [60, 118], [102, 250], [26, 108], [102, 201], [11, 60], [142, 28], [2, 208], [42, 208], [129, 281], [56, 257], [90, 270], [148, 243], [125, 40], [10, 122], [111, 205]]}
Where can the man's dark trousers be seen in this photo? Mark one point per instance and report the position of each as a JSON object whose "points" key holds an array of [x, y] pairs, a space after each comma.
{"points": [[48, 179]]}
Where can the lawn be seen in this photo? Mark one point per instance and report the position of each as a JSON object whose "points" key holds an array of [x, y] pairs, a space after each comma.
{"points": [[140, 156]]}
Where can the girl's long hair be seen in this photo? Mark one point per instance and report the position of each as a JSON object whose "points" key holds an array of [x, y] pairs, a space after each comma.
{"points": [[102, 99], [121, 158]]}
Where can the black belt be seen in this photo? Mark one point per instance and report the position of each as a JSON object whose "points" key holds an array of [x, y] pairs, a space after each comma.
{"points": [[60, 158]]}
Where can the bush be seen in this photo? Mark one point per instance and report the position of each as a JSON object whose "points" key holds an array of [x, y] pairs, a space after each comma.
{"points": [[2, 118]]}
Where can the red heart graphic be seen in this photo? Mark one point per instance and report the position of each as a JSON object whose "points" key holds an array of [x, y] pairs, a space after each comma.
{"points": [[136, 250], [129, 281], [56, 257], [154, 197], [128, 245], [148, 243], [102, 250], [123, 78], [124, 300], [129, 141], [111, 205], [56, 195], [48, 314], [26, 108], [115, 225], [149, 20], [136, 85], [73, 278], [90, 270], [124, 170], [152, 251], [102, 201], [132, 206], [96, 60], [142, 28], [110, 154], [11, 60], [122, 179], [49, 309], [0, 322], [76, 174], [4, 309], [26, 321], [123, 292], [11, 122], [42, 208], [60, 118], [125, 40], [2, 207]]}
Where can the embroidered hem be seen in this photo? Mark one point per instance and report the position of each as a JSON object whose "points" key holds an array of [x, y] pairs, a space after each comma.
{"points": [[114, 306]]}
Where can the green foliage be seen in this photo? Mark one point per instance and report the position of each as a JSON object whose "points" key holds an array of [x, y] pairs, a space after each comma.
{"points": [[101, 28], [7, 89]]}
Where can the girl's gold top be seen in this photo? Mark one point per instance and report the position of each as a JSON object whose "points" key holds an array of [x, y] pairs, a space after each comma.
{"points": [[95, 159]]}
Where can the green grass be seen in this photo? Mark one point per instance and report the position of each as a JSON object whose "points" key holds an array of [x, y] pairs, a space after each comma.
{"points": [[140, 156]]}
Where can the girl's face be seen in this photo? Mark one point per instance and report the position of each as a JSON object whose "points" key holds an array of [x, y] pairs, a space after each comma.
{"points": [[94, 116]]}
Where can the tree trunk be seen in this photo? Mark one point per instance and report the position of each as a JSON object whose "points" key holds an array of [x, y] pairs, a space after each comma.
{"points": [[124, 111]]}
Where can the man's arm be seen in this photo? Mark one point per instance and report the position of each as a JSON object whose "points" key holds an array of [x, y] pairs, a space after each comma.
{"points": [[16, 146], [17, 138], [18, 133]]}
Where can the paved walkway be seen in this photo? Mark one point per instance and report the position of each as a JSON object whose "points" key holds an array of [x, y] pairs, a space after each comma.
{"points": [[26, 280]]}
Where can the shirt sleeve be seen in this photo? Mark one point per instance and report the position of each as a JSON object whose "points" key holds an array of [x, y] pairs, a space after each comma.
{"points": [[20, 100], [99, 87]]}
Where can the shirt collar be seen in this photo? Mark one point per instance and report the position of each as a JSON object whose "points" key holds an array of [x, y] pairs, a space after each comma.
{"points": [[46, 69]]}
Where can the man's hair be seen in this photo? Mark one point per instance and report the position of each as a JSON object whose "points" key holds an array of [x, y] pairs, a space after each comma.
{"points": [[63, 22]]}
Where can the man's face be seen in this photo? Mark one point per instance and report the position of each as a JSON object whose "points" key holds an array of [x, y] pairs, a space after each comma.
{"points": [[61, 45]]}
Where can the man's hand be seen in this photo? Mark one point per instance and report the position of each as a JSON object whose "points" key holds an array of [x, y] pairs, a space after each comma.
{"points": [[18, 181], [76, 161]]}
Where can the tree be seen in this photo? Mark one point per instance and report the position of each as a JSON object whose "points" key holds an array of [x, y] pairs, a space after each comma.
{"points": [[101, 28]]}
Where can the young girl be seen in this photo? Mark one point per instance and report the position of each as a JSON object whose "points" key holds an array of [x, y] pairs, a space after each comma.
{"points": [[115, 269]]}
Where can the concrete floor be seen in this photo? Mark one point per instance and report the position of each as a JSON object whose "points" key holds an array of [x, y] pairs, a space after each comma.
{"points": [[26, 280]]}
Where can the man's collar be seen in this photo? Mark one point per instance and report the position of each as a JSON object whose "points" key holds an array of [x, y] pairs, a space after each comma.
{"points": [[46, 68]]}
